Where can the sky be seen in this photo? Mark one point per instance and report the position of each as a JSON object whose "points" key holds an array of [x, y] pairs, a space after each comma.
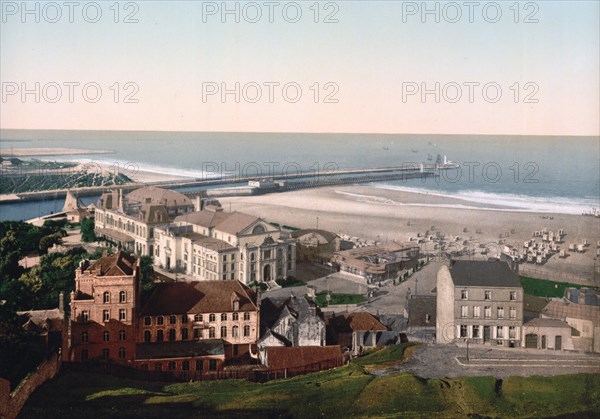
{"points": [[506, 67]]}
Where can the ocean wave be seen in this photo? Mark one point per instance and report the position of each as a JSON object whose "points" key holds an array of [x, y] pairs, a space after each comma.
{"points": [[487, 201]]}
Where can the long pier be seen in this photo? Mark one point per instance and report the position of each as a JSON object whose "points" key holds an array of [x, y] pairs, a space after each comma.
{"points": [[319, 179]]}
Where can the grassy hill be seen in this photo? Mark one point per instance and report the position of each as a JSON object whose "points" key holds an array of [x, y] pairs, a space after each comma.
{"points": [[349, 391]]}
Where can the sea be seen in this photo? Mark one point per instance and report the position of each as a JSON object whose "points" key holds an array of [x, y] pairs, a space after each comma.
{"points": [[546, 174]]}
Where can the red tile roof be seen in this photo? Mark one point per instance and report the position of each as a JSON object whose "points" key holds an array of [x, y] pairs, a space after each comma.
{"points": [[281, 357], [198, 297], [120, 264], [356, 321]]}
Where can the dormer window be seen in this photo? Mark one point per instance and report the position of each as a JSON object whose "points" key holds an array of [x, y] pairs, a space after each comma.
{"points": [[236, 305]]}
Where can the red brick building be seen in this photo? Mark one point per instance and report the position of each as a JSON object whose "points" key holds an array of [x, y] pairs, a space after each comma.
{"points": [[195, 326]]}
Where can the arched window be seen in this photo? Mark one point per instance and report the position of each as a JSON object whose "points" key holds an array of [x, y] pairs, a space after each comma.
{"points": [[121, 335], [235, 316], [212, 317], [223, 331], [105, 354], [121, 353], [105, 336], [147, 336], [246, 315], [106, 297], [223, 317], [171, 335], [259, 229], [159, 336], [147, 321], [122, 297], [235, 331], [211, 332], [246, 330], [84, 337], [172, 319], [198, 318]]}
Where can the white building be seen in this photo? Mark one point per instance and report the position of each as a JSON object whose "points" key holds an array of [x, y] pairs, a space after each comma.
{"points": [[216, 245]]}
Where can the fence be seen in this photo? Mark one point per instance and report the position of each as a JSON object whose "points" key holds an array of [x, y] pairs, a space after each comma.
{"points": [[12, 403]]}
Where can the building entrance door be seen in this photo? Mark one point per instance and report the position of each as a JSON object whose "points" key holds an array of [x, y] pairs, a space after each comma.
{"points": [[531, 341], [558, 343], [267, 273], [486, 333], [543, 341]]}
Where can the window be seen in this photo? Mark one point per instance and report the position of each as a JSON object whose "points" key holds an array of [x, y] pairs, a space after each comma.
{"points": [[172, 319], [476, 331], [513, 296], [171, 335], [464, 295], [121, 335], [211, 332], [198, 318], [197, 334], [106, 336], [84, 337], [147, 336], [499, 332], [122, 314], [212, 317], [184, 318], [513, 313], [147, 321], [235, 331], [84, 354], [185, 365], [159, 336], [246, 330], [223, 317], [121, 353], [500, 312], [488, 295], [105, 354], [487, 312], [464, 311], [106, 297], [512, 332], [223, 331], [477, 311], [85, 315], [427, 318], [464, 331], [171, 365], [212, 364], [199, 365], [184, 334], [106, 315], [246, 315], [160, 320], [158, 367], [122, 297], [235, 316]]}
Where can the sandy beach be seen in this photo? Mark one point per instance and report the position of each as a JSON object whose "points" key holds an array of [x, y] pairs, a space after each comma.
{"points": [[387, 215]]}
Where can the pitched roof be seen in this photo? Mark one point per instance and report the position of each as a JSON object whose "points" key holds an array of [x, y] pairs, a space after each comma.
{"points": [[541, 322], [154, 195], [282, 357], [198, 297], [120, 264], [236, 223], [180, 349], [490, 273], [353, 322], [211, 242], [327, 235], [562, 309], [206, 218]]}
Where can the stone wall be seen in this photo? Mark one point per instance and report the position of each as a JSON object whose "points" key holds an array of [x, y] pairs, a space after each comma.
{"points": [[11, 403]]}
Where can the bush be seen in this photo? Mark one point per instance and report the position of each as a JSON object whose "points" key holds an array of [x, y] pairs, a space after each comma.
{"points": [[87, 230]]}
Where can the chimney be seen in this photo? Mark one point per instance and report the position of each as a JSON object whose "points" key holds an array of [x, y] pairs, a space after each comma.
{"points": [[61, 302], [198, 204], [121, 200]]}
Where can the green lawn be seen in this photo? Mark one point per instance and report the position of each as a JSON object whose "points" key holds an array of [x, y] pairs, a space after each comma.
{"points": [[321, 299], [348, 391], [545, 288]]}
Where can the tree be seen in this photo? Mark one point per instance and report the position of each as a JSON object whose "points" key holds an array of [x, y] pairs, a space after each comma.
{"points": [[87, 230], [146, 273], [48, 241]]}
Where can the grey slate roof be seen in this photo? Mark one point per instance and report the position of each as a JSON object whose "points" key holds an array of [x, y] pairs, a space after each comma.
{"points": [[483, 273], [180, 349]]}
